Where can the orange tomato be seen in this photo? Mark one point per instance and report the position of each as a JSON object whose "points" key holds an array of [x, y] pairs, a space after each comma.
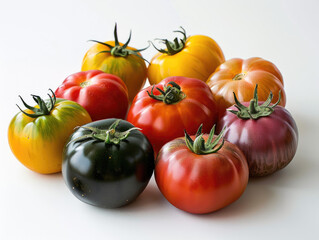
{"points": [[195, 57], [241, 76]]}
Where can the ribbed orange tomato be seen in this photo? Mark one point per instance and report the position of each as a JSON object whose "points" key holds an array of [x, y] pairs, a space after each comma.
{"points": [[195, 57], [241, 76]]}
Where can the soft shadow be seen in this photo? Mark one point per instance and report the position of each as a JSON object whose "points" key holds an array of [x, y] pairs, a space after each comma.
{"points": [[261, 193], [253, 199], [150, 199], [34, 176]]}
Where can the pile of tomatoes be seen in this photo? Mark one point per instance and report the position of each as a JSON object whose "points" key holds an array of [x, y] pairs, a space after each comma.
{"points": [[108, 134]]}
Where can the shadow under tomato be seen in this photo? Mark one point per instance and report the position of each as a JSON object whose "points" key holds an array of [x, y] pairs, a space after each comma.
{"points": [[261, 193], [253, 199], [150, 199]]}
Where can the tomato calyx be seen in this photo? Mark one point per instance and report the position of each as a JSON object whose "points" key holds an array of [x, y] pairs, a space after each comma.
{"points": [[120, 51], [199, 146], [109, 136], [173, 47], [239, 76], [45, 107], [171, 94], [255, 111]]}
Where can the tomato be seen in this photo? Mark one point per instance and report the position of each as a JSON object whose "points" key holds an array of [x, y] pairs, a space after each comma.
{"points": [[198, 176], [102, 95], [107, 163], [119, 59], [164, 110], [241, 76], [37, 135], [195, 57], [267, 134]]}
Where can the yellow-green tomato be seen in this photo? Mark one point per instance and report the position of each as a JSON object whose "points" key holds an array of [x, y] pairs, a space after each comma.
{"points": [[38, 134], [118, 59]]}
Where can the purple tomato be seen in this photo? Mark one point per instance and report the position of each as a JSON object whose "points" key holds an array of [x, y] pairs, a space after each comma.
{"points": [[267, 134]]}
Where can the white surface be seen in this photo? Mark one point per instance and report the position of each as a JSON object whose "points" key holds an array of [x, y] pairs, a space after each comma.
{"points": [[42, 42]]}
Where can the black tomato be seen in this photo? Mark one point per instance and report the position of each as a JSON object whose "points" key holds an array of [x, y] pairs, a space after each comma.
{"points": [[107, 163]]}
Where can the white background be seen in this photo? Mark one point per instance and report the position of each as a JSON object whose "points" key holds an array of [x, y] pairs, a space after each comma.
{"points": [[42, 42]]}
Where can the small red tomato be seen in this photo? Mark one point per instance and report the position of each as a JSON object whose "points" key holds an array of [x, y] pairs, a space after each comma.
{"points": [[164, 110], [201, 175], [103, 95], [267, 134]]}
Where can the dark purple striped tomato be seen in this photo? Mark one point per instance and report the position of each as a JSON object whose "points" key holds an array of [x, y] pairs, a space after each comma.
{"points": [[267, 134]]}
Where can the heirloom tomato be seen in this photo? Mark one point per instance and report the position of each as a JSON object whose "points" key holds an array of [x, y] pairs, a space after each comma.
{"points": [[107, 163], [241, 76], [103, 95], [119, 59], [198, 176], [164, 110], [37, 135], [267, 134], [195, 57]]}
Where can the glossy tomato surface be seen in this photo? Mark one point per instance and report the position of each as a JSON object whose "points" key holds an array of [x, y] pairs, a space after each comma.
{"points": [[162, 122], [102, 95], [269, 143], [200, 183], [199, 58], [104, 174], [240, 76], [38, 142]]}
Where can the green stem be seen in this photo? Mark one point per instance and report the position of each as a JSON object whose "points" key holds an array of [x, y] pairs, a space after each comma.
{"points": [[175, 46], [120, 51], [200, 147], [239, 76], [252, 107], [109, 136], [171, 94], [45, 106], [255, 111]]}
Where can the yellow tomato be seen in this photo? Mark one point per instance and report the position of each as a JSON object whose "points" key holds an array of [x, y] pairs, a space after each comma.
{"points": [[196, 57], [37, 135], [119, 59]]}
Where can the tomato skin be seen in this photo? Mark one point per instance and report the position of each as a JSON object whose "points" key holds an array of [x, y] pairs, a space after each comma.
{"points": [[38, 142], [108, 175], [269, 143], [223, 82], [162, 122], [199, 59], [200, 183], [131, 69], [102, 95]]}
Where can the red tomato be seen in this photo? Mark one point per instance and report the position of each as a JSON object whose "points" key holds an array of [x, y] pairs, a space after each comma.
{"points": [[267, 134], [103, 95], [181, 103], [200, 177]]}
